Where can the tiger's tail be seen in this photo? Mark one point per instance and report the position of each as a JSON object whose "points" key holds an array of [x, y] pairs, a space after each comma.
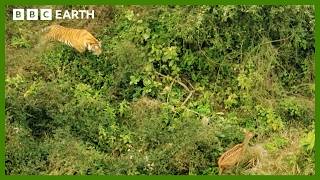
{"points": [[46, 29], [42, 39]]}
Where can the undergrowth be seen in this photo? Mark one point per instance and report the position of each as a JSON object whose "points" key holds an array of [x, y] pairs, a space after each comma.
{"points": [[173, 89]]}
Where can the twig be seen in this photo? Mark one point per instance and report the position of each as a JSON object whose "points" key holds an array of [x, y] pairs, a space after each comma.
{"points": [[177, 81], [210, 60], [189, 96], [182, 84], [169, 91], [278, 40], [189, 83]]}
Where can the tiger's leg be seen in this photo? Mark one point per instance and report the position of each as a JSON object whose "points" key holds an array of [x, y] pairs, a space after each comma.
{"points": [[220, 170], [80, 48]]}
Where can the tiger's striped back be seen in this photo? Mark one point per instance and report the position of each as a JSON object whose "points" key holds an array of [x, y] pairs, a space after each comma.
{"points": [[80, 39]]}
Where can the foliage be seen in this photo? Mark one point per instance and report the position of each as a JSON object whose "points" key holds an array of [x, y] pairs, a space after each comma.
{"points": [[172, 90]]}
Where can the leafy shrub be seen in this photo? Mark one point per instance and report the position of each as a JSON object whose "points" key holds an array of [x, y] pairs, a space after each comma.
{"points": [[293, 109], [171, 91], [268, 119], [20, 42]]}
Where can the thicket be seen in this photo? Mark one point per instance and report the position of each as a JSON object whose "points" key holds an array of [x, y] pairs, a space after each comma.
{"points": [[172, 90]]}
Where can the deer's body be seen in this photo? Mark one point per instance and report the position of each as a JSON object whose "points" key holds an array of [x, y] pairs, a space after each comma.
{"points": [[235, 155]]}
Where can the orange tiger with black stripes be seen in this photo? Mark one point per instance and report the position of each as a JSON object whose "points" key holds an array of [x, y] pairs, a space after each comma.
{"points": [[80, 39]]}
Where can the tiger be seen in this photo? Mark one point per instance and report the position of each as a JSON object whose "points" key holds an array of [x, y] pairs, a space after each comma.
{"points": [[80, 39]]}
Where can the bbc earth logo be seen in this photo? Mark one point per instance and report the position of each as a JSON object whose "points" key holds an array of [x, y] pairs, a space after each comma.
{"points": [[49, 14]]}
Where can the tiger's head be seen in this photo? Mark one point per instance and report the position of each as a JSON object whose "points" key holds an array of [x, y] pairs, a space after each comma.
{"points": [[95, 48]]}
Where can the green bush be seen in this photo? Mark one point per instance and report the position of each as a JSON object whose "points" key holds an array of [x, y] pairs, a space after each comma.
{"points": [[172, 90]]}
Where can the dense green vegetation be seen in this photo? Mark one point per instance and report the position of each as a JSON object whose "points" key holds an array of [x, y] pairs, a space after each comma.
{"points": [[173, 89]]}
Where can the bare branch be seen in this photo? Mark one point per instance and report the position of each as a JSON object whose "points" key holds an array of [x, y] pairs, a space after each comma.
{"points": [[278, 40], [189, 96], [177, 81]]}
